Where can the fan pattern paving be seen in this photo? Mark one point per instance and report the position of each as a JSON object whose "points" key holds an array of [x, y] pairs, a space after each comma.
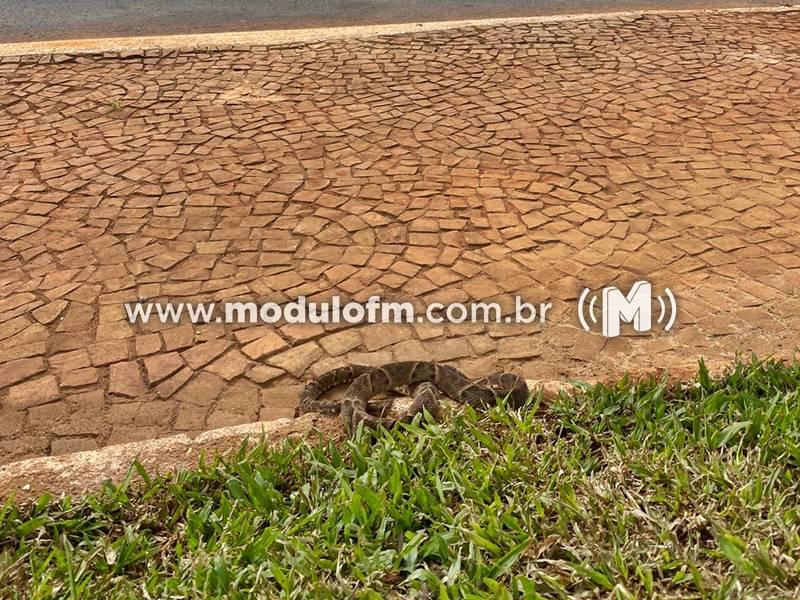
{"points": [[473, 163]]}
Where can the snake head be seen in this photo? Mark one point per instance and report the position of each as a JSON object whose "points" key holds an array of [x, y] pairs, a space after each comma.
{"points": [[510, 386]]}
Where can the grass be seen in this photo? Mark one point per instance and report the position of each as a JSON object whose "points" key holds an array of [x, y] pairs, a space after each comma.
{"points": [[640, 490]]}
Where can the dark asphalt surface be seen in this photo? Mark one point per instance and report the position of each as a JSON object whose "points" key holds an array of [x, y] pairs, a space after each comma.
{"points": [[31, 20]]}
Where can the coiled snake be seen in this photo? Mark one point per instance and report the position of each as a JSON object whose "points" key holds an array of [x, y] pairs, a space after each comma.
{"points": [[422, 380]]}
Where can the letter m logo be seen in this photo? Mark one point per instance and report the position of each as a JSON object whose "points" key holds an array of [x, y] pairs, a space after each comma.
{"points": [[634, 308]]}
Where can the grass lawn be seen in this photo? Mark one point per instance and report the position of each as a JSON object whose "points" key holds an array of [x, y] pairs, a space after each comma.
{"points": [[640, 490]]}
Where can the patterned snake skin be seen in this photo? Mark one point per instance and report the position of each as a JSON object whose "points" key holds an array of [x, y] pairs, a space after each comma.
{"points": [[424, 380]]}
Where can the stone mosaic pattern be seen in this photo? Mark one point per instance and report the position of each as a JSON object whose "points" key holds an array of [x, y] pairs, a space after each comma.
{"points": [[464, 164]]}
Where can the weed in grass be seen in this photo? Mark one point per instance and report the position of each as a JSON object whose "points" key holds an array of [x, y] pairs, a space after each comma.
{"points": [[637, 490]]}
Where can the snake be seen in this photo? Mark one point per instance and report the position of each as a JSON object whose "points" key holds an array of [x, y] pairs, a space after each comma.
{"points": [[424, 381]]}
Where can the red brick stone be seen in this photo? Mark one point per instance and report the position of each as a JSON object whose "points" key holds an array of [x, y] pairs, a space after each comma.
{"points": [[80, 377], [73, 444], [178, 338], [20, 369], [34, 392], [125, 379], [202, 354], [160, 366], [231, 365], [104, 353], [169, 386], [265, 346], [297, 360]]}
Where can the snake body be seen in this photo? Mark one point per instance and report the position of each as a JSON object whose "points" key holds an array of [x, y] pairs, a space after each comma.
{"points": [[424, 380]]}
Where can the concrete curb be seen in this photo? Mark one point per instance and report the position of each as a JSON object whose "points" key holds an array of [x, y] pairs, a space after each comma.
{"points": [[242, 40], [82, 472]]}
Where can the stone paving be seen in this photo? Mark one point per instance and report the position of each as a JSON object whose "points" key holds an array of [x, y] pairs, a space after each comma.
{"points": [[477, 163]]}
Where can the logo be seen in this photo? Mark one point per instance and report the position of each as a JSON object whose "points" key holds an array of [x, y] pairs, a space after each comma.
{"points": [[635, 308]]}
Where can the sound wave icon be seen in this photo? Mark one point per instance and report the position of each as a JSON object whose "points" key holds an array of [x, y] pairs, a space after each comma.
{"points": [[635, 308], [673, 309], [582, 311]]}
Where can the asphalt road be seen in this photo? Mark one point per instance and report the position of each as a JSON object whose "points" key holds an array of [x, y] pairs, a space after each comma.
{"points": [[31, 20]]}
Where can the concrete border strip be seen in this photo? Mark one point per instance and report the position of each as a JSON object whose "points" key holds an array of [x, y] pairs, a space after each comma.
{"points": [[288, 36], [82, 472]]}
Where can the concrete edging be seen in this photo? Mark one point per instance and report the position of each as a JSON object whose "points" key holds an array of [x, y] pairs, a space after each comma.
{"points": [[81, 472]]}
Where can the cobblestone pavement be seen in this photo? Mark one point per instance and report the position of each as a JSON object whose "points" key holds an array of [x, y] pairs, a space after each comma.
{"points": [[465, 164]]}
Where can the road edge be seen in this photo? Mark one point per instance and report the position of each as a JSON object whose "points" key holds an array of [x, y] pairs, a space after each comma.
{"points": [[247, 39]]}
